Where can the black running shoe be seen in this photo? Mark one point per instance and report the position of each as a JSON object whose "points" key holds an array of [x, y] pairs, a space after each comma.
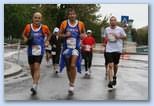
{"points": [[33, 91], [110, 85], [114, 80], [56, 72]]}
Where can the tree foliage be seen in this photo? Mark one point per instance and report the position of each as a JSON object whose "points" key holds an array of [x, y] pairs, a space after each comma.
{"points": [[142, 36], [16, 16]]}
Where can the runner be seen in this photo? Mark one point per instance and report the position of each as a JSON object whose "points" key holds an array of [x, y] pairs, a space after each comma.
{"points": [[71, 30], [56, 43], [88, 43], [34, 35], [115, 36]]}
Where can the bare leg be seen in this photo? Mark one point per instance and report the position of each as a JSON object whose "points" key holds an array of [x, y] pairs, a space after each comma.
{"points": [[72, 70], [32, 70], [110, 71], [36, 73], [67, 68], [47, 57], [115, 69]]}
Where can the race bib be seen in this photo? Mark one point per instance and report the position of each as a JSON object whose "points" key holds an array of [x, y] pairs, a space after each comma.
{"points": [[36, 50], [48, 47], [71, 43], [53, 53], [54, 46], [87, 48], [111, 38]]}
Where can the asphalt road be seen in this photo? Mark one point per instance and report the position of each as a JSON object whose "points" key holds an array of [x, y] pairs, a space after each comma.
{"points": [[132, 83]]}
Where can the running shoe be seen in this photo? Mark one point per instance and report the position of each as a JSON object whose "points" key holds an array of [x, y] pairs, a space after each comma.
{"points": [[71, 90], [87, 73], [34, 92], [110, 85], [114, 80]]}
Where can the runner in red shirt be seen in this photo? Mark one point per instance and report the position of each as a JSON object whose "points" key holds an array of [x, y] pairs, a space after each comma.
{"points": [[88, 43]]}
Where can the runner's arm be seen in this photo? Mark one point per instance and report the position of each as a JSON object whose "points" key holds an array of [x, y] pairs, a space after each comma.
{"points": [[62, 28], [82, 29], [122, 35], [24, 38], [47, 34], [25, 33]]}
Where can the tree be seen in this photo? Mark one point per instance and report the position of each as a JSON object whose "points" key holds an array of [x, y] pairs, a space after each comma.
{"points": [[18, 15], [15, 18], [142, 36]]}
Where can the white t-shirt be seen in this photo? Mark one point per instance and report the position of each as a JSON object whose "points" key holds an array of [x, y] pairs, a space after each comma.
{"points": [[114, 45]]}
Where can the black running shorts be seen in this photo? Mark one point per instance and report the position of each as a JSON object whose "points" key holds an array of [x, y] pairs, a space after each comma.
{"points": [[34, 59], [112, 57]]}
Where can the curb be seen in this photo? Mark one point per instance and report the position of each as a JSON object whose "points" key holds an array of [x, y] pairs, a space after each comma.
{"points": [[14, 70]]}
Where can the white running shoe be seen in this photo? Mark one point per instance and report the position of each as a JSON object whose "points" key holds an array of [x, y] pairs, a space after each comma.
{"points": [[87, 73], [71, 90]]}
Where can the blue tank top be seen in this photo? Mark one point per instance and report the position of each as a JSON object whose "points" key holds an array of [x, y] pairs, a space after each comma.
{"points": [[36, 46], [75, 32]]}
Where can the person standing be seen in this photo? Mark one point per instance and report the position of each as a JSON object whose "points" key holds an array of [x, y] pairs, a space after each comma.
{"points": [[88, 43], [34, 36], [56, 43], [115, 36], [72, 31]]}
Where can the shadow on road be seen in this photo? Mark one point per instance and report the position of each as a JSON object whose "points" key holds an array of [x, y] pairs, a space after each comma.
{"points": [[34, 97], [111, 94]]}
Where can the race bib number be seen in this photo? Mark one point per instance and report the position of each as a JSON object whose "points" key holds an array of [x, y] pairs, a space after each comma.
{"points": [[87, 48], [71, 43], [53, 53], [111, 38], [36, 50]]}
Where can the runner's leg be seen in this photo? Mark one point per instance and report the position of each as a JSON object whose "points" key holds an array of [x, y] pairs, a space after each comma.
{"points": [[36, 72], [73, 69], [90, 61]]}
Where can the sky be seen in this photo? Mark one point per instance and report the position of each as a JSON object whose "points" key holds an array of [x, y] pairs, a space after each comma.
{"points": [[137, 12]]}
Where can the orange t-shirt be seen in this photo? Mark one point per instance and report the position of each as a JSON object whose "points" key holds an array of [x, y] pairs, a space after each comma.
{"points": [[45, 30], [80, 24]]}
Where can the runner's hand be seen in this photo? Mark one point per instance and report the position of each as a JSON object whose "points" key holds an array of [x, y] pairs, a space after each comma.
{"points": [[83, 35], [117, 37], [25, 40]]}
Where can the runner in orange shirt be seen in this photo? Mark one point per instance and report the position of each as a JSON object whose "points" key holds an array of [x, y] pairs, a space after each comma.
{"points": [[71, 30], [34, 36]]}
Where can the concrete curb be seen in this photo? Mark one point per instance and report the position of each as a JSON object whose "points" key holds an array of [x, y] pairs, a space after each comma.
{"points": [[15, 69]]}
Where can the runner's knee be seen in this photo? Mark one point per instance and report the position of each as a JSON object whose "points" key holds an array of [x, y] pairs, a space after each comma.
{"points": [[110, 65], [72, 65]]}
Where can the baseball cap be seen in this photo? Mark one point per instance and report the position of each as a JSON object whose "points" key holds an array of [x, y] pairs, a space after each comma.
{"points": [[89, 31], [56, 30]]}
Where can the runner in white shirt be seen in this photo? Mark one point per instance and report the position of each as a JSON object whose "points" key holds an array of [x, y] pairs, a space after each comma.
{"points": [[115, 36]]}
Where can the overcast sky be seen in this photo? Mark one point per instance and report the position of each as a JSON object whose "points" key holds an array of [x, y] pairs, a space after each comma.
{"points": [[138, 12]]}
